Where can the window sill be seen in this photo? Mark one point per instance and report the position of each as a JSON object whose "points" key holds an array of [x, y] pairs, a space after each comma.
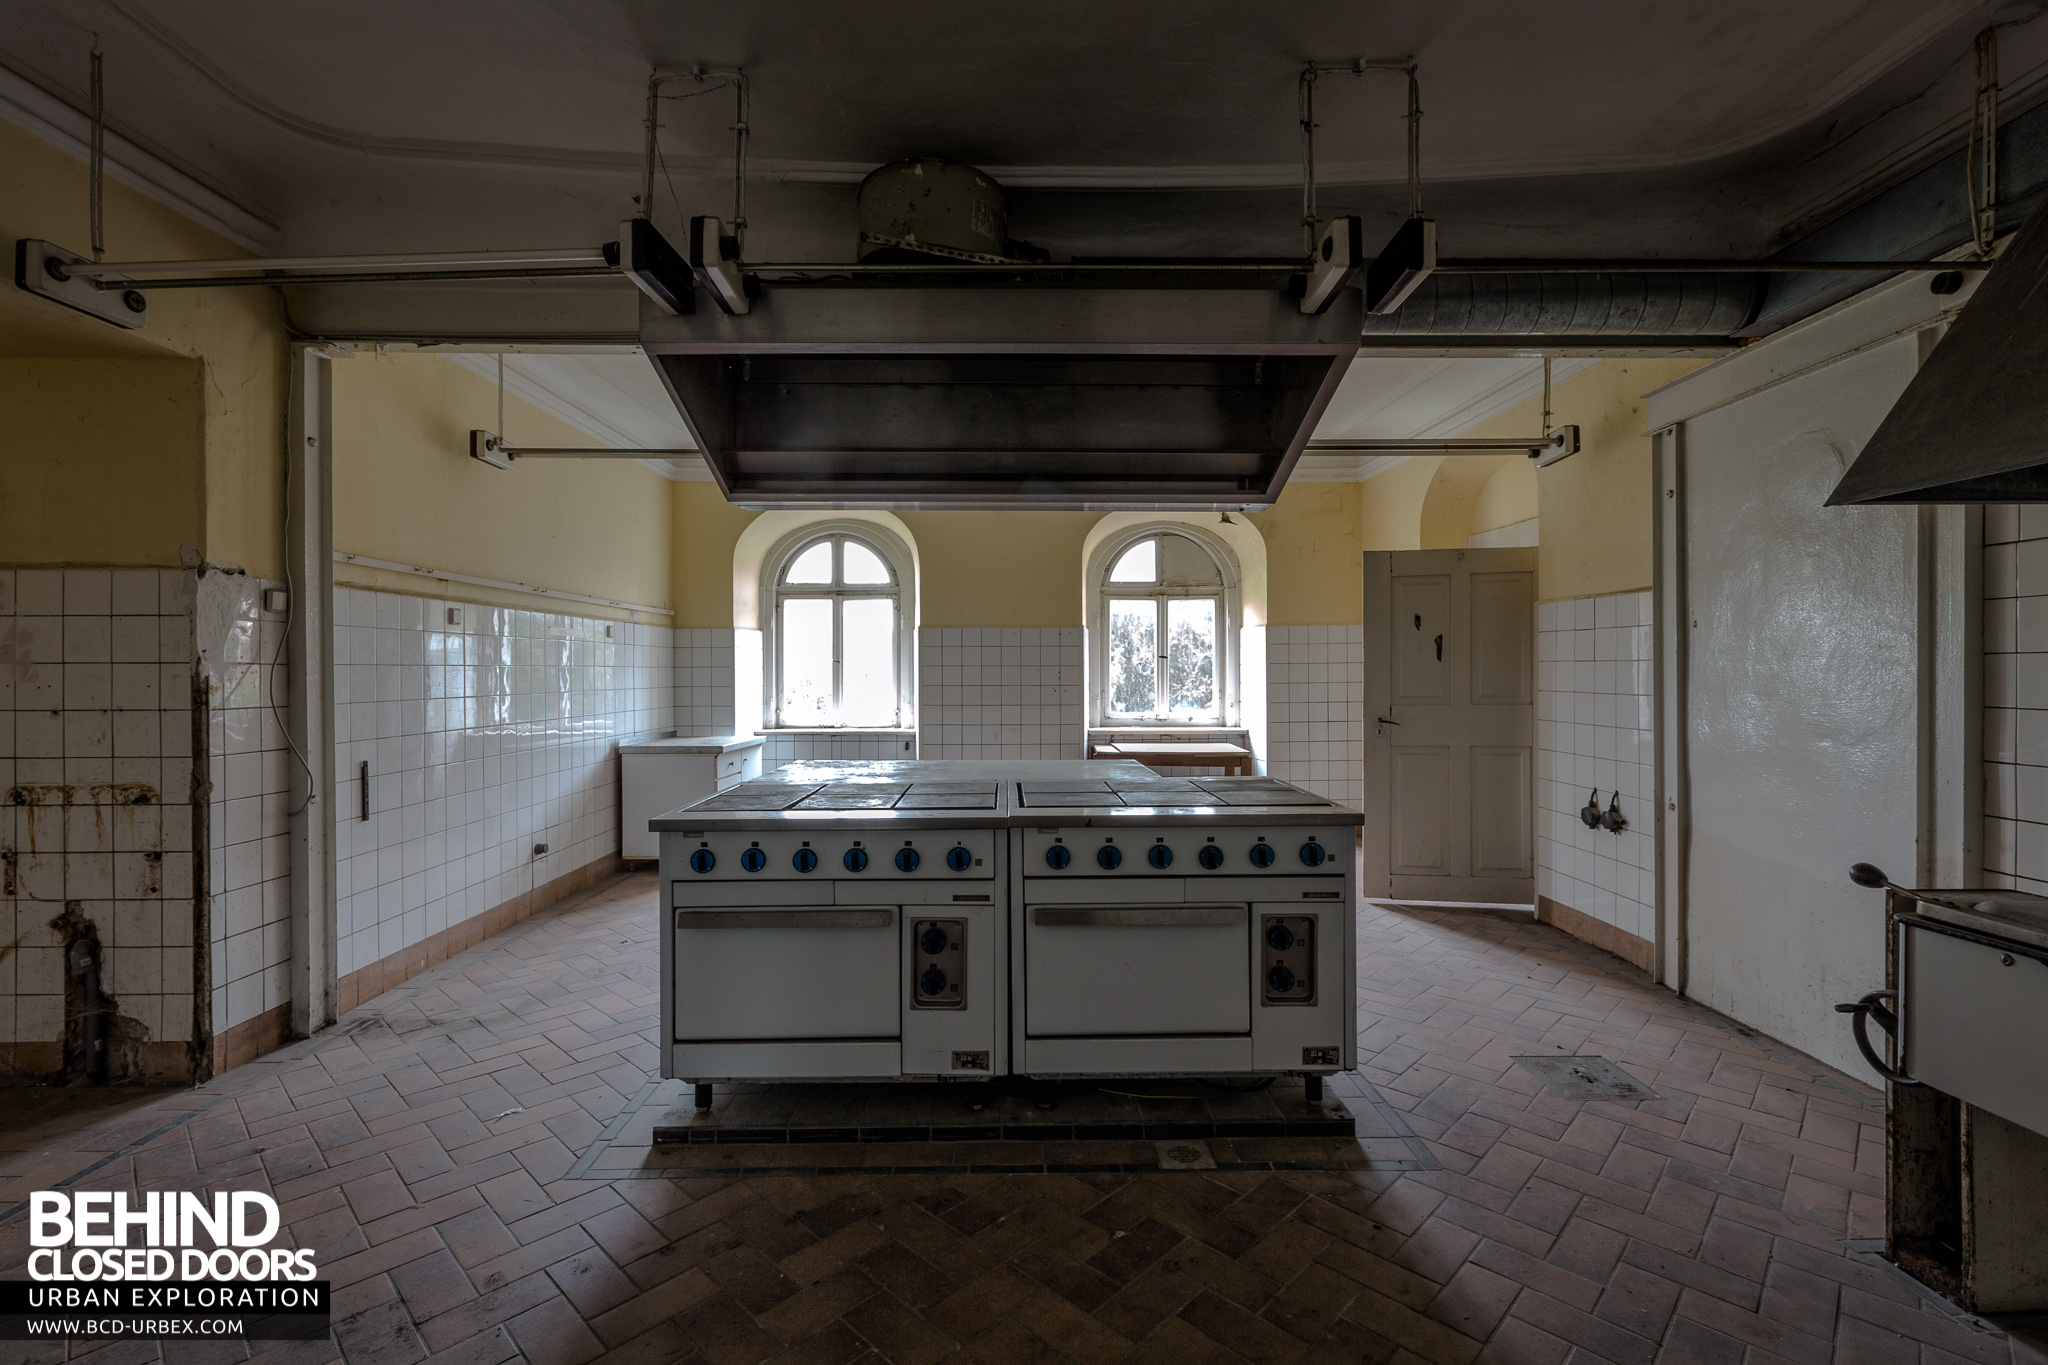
{"points": [[836, 730]]}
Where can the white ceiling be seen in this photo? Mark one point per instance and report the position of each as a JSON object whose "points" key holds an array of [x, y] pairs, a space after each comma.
{"points": [[1576, 127]]}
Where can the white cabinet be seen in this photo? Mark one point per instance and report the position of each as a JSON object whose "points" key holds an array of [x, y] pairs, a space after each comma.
{"points": [[660, 775]]}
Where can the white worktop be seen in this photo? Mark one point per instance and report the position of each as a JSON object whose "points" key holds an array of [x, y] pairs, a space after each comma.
{"points": [[691, 744]]}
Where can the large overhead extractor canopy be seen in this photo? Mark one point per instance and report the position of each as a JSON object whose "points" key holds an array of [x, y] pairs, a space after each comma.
{"points": [[1972, 425], [1120, 389]]}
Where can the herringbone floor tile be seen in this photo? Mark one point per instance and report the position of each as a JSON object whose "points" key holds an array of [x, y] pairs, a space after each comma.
{"points": [[427, 1149]]}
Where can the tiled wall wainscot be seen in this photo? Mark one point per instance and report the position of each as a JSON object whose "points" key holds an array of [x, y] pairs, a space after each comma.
{"points": [[1000, 692], [487, 731], [1594, 731], [241, 663], [705, 682], [98, 836], [2016, 697], [1315, 709]]}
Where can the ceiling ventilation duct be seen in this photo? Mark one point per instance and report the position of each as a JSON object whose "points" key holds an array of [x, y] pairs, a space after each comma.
{"points": [[953, 367], [1970, 426]]}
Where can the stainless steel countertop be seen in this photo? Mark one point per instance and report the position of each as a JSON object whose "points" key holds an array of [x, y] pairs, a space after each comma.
{"points": [[1220, 801], [2017, 915]]}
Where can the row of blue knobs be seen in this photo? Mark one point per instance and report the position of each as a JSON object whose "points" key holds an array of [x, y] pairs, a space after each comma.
{"points": [[1109, 857]]}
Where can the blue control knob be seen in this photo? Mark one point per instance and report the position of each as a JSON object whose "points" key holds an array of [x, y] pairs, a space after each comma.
{"points": [[1312, 853], [1262, 855], [804, 861], [1058, 857], [1160, 856], [907, 860], [1109, 857], [959, 859], [1280, 937], [856, 860], [1281, 980], [702, 861], [932, 941], [932, 982], [753, 860], [1210, 857]]}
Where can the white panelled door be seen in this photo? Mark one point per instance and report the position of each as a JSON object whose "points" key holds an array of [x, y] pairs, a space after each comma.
{"points": [[1450, 693]]}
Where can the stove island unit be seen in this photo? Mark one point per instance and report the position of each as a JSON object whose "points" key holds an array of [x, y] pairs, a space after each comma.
{"points": [[966, 920]]}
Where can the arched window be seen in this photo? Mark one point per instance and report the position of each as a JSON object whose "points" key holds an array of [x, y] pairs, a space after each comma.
{"points": [[1166, 631], [838, 638]]}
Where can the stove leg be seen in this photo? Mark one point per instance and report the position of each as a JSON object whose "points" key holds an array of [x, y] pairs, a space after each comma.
{"points": [[703, 1095], [1312, 1089]]}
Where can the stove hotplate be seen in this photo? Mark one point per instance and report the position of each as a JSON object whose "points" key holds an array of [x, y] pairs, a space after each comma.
{"points": [[1177, 792], [854, 794]]}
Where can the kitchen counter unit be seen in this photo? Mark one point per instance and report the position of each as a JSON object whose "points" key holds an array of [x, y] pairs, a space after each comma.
{"points": [[658, 775], [934, 919]]}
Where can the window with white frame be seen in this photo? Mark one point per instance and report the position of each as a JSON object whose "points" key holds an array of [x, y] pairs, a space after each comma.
{"points": [[1165, 632], [838, 641]]}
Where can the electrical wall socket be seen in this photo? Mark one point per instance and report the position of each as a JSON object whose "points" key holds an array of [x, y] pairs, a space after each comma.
{"points": [[540, 850], [276, 600], [455, 616]]}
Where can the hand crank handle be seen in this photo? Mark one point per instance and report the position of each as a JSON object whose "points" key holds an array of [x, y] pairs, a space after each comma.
{"points": [[1873, 1005]]}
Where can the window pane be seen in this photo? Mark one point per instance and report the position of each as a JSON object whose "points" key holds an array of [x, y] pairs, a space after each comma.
{"points": [[868, 660], [812, 566], [1182, 561], [807, 661], [1132, 654], [1139, 564], [1191, 656], [863, 565]]}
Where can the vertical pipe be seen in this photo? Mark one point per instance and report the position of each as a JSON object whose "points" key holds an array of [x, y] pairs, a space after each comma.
{"points": [[309, 630], [99, 158], [1414, 144], [1307, 112], [1673, 624], [647, 171], [742, 102]]}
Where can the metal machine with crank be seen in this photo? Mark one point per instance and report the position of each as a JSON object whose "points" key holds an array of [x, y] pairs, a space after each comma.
{"points": [[1962, 1013]]}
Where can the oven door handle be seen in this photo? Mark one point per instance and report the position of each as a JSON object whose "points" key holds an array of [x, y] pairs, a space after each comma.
{"points": [[785, 919], [1176, 916]]}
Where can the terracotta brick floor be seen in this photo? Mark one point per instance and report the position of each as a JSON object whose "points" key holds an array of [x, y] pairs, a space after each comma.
{"points": [[427, 1150]]}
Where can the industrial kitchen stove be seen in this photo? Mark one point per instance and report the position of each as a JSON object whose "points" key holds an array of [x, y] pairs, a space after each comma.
{"points": [[968, 920]]}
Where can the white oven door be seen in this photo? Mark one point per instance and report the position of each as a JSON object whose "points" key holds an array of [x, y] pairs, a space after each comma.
{"points": [[785, 974], [1137, 971]]}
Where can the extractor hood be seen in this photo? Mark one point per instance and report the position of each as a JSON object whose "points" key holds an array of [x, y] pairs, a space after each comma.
{"points": [[983, 393], [1972, 426]]}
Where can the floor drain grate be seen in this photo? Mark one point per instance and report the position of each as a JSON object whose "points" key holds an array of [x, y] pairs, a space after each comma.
{"points": [[1587, 1078]]}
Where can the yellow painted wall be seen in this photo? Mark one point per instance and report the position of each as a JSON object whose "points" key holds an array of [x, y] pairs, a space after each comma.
{"points": [[1390, 505], [1594, 508], [1313, 573], [233, 334], [1000, 568], [140, 460], [1506, 498], [704, 527], [405, 489]]}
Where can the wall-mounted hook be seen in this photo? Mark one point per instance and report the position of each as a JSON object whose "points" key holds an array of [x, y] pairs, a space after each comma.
{"points": [[1439, 649], [1591, 811], [1614, 822]]}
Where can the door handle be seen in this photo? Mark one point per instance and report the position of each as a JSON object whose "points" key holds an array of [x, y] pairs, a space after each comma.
{"points": [[1179, 916], [785, 919], [1439, 649]]}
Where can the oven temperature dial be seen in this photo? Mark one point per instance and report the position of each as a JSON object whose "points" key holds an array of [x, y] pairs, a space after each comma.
{"points": [[1057, 857], [702, 860], [1210, 857], [753, 860], [1312, 854], [1160, 856], [804, 861], [1262, 855], [907, 860], [856, 860], [1109, 857], [959, 859]]}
